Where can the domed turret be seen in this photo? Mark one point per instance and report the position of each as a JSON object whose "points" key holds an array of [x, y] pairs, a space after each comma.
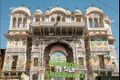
{"points": [[38, 12], [21, 9], [77, 12], [93, 9]]}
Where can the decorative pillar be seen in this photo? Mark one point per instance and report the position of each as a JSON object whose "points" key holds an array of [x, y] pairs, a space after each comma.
{"points": [[93, 22], [16, 23], [22, 22], [11, 22], [88, 22]]}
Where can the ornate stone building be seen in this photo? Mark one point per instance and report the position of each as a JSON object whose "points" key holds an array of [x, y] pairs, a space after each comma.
{"points": [[58, 35]]}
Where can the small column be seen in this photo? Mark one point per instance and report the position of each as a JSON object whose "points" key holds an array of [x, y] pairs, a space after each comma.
{"points": [[22, 22], [88, 23], [42, 54], [11, 22], [75, 50], [61, 31], [16, 25], [81, 20], [26, 24], [93, 23], [98, 22]]}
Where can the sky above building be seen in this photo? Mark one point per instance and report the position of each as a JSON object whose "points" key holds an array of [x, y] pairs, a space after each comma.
{"points": [[109, 7]]}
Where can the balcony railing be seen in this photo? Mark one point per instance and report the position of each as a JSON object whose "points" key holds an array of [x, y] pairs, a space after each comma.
{"points": [[99, 49], [97, 28], [20, 27], [70, 24], [16, 50]]}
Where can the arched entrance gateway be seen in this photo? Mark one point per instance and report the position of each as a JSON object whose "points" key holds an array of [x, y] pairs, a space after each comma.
{"points": [[54, 54]]}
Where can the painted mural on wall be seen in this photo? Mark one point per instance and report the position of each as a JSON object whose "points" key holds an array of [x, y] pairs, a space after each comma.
{"points": [[21, 62], [7, 65]]}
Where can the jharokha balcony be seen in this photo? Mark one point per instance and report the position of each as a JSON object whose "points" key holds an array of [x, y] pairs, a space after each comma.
{"points": [[57, 28], [60, 24]]}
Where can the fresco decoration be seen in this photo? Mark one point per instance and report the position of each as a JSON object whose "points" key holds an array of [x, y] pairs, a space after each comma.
{"points": [[8, 63], [21, 63]]}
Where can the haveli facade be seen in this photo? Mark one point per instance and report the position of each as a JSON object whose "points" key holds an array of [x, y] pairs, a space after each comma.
{"points": [[58, 35]]}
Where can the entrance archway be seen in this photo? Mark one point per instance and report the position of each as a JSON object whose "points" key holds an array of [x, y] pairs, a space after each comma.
{"points": [[66, 47], [57, 52]]}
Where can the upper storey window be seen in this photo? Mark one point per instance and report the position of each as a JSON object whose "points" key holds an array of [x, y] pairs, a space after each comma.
{"points": [[52, 19], [78, 19], [58, 18], [43, 18], [16, 42], [90, 22], [101, 22], [95, 20], [19, 19], [14, 22], [63, 19], [37, 19], [35, 61], [24, 22], [14, 63], [73, 18], [19, 22]]}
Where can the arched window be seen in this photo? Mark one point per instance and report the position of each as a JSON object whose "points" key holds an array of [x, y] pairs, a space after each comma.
{"points": [[19, 22], [43, 18], [96, 22], [52, 19], [58, 18], [101, 22], [78, 19], [35, 77], [14, 22], [63, 19], [37, 19], [90, 22], [73, 18], [16, 42], [24, 22]]}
